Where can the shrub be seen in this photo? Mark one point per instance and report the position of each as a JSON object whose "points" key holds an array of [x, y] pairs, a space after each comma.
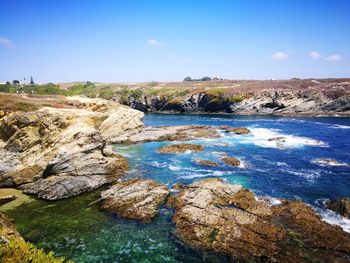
{"points": [[18, 250]]}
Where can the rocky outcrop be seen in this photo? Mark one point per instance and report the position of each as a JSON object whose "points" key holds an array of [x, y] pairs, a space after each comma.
{"points": [[207, 163], [181, 148], [231, 161], [214, 215], [237, 130], [340, 206], [135, 199], [65, 143], [169, 133]]}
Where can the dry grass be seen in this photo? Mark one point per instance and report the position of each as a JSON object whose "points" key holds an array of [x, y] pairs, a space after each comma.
{"points": [[26, 103]]}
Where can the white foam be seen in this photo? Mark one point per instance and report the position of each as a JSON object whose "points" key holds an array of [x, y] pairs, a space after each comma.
{"points": [[328, 162], [242, 164], [174, 168], [269, 199], [262, 137], [338, 126], [305, 173], [334, 219]]}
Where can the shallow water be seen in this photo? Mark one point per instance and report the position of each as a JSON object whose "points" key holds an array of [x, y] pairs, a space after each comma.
{"points": [[72, 229]]}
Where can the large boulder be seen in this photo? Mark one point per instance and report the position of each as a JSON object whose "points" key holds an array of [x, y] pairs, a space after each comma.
{"points": [[214, 215], [135, 199], [340, 206], [231, 161], [64, 142]]}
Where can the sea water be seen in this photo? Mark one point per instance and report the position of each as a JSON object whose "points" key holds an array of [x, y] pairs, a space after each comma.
{"points": [[272, 169]]}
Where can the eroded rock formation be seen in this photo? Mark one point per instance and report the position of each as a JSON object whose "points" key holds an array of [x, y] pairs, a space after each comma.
{"points": [[135, 199], [214, 215], [181, 148], [37, 147]]}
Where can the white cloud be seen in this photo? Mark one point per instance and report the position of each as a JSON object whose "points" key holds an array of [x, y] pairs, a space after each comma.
{"points": [[6, 43], [334, 57], [315, 54], [154, 42], [280, 56]]}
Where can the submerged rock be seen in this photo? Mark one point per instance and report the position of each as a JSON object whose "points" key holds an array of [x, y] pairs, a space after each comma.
{"points": [[181, 148], [340, 206], [207, 163], [135, 199], [231, 161], [278, 139], [214, 215]]}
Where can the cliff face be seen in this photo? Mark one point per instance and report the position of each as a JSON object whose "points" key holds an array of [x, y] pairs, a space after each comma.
{"points": [[321, 99], [57, 153]]}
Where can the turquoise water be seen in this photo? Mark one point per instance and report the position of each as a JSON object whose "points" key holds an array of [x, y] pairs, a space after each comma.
{"points": [[73, 229]]}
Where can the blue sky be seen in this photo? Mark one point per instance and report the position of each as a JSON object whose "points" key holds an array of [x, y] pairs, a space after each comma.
{"points": [[127, 41]]}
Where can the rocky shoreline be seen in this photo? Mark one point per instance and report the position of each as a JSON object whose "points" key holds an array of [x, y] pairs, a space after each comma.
{"points": [[302, 98], [56, 153]]}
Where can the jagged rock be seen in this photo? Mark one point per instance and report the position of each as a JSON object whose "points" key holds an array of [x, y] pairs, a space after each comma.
{"points": [[135, 199], [278, 139], [181, 148], [231, 161], [340, 206], [214, 215], [63, 186], [238, 130], [64, 142], [207, 163]]}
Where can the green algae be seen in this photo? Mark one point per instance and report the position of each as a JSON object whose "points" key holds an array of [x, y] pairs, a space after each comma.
{"points": [[73, 230]]}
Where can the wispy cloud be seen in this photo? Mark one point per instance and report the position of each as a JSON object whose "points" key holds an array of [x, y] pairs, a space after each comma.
{"points": [[334, 57], [6, 43], [315, 54], [280, 56], [154, 42]]}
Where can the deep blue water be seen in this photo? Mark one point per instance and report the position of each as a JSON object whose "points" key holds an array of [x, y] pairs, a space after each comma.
{"points": [[83, 233], [283, 171]]}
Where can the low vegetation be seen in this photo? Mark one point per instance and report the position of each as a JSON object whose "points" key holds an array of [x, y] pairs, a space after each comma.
{"points": [[20, 251]]}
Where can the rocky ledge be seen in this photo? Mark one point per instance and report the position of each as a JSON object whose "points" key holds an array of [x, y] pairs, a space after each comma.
{"points": [[58, 152], [214, 215], [181, 148], [135, 199], [169, 133]]}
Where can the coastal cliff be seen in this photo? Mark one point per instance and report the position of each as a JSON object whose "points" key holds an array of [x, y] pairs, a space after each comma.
{"points": [[291, 97], [57, 153]]}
